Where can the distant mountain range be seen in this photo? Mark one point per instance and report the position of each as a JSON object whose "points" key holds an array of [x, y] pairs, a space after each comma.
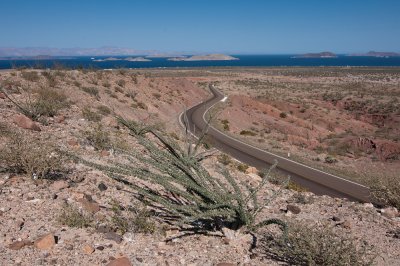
{"points": [[52, 52], [377, 54]]}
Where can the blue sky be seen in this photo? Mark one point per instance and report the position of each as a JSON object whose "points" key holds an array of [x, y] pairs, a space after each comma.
{"points": [[232, 26]]}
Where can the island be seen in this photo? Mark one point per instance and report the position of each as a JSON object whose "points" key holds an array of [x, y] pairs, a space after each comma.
{"points": [[377, 54], [129, 59], [210, 57], [137, 59], [316, 55]]}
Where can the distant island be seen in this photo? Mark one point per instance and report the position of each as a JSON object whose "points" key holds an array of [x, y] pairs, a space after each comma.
{"points": [[316, 55], [137, 59], [129, 59], [377, 54], [210, 57]]}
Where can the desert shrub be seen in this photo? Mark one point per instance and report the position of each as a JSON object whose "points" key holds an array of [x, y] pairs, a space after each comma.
{"points": [[247, 133], [283, 115], [91, 91], [47, 102], [89, 115], [98, 138], [30, 76], [38, 159], [73, 217], [134, 219], [224, 159], [121, 83], [330, 159], [51, 79], [385, 190], [173, 181], [77, 84], [306, 245], [225, 123], [242, 167], [142, 105], [157, 95], [104, 110]]}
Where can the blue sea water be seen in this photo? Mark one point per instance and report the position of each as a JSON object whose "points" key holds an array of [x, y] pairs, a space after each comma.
{"points": [[245, 61]]}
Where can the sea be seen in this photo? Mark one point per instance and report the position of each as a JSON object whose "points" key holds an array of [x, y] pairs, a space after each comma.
{"points": [[244, 61]]}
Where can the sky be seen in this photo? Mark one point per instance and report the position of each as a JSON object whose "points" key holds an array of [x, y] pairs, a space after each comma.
{"points": [[227, 26]]}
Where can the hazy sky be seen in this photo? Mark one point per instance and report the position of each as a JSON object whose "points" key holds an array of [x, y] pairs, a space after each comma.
{"points": [[232, 26]]}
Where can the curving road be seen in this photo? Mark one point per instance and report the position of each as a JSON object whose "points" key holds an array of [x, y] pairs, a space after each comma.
{"points": [[314, 180]]}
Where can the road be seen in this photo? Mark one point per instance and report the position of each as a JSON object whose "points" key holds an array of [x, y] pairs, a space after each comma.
{"points": [[316, 181]]}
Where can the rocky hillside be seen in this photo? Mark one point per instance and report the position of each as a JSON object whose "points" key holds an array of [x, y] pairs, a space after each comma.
{"points": [[58, 210]]}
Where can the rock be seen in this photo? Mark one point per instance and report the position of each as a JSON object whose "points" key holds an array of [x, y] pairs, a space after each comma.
{"points": [[251, 170], [101, 248], [390, 212], [123, 261], [293, 209], [89, 204], [88, 249], [72, 142], [113, 236], [336, 219], [2, 95], [102, 186], [346, 224], [45, 242], [255, 177], [59, 119], [26, 123], [104, 153], [19, 244], [368, 205], [59, 185], [226, 264]]}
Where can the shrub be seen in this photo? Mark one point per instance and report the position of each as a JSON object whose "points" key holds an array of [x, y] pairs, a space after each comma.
{"points": [[30, 76], [104, 110], [307, 245], [89, 115], [247, 133], [225, 124], [34, 157], [73, 217], [121, 83], [283, 115], [157, 95], [330, 159], [385, 191], [242, 167], [91, 91], [173, 181], [224, 159], [98, 138], [48, 102]]}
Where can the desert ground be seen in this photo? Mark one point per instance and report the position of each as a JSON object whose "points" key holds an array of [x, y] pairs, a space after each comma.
{"points": [[57, 210]]}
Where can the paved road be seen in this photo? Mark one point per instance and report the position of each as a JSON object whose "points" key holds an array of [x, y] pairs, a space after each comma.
{"points": [[315, 180]]}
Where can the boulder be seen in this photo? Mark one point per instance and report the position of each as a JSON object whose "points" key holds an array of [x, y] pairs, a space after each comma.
{"points": [[293, 209], [19, 244], [251, 170], [88, 249], [123, 261], [2, 95], [26, 123], [45, 242], [59, 185]]}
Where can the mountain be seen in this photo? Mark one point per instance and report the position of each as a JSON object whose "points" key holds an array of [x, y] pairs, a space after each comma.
{"points": [[377, 54], [38, 51], [317, 55]]}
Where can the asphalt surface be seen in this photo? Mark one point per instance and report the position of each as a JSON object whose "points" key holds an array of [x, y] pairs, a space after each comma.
{"points": [[316, 181]]}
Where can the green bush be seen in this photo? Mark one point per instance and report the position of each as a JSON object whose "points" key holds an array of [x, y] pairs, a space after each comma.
{"points": [[89, 115], [307, 245], [247, 133], [38, 159], [73, 217], [98, 138], [91, 91]]}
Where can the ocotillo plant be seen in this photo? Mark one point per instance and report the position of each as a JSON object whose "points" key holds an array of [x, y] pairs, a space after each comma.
{"points": [[173, 180]]}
